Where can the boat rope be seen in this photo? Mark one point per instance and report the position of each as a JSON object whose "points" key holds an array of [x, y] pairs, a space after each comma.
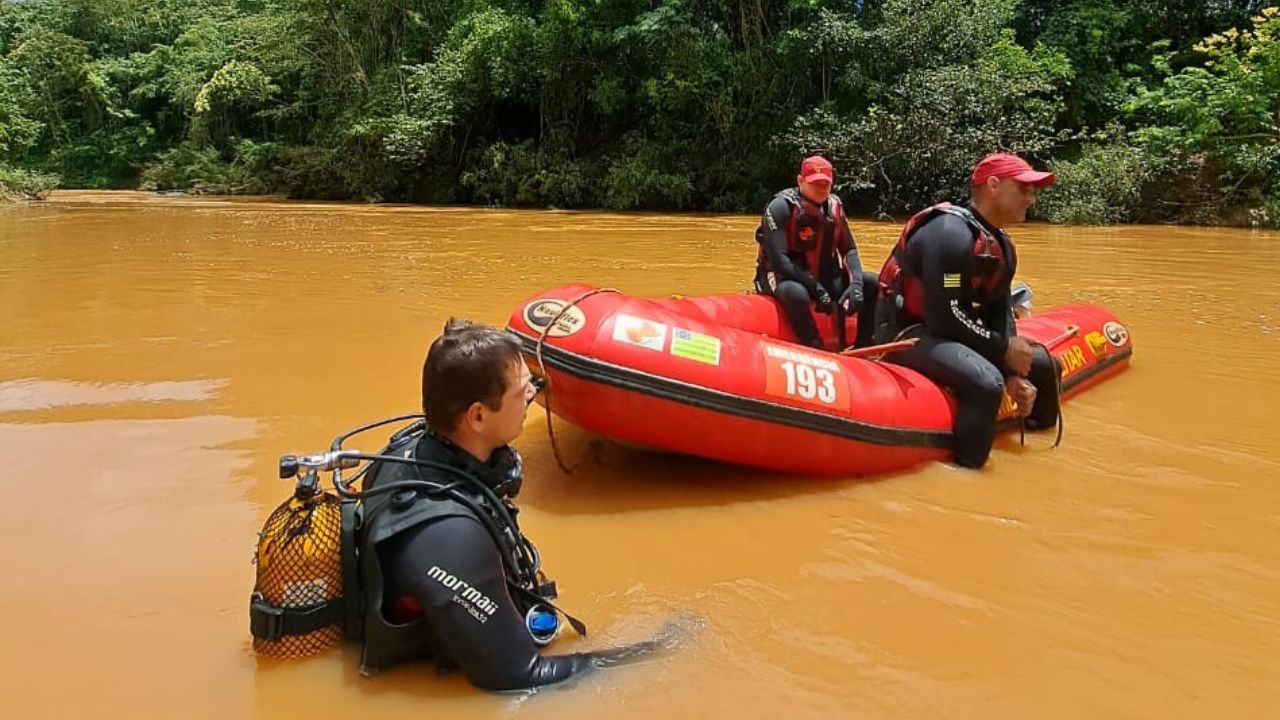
{"points": [[546, 396], [1070, 332]]}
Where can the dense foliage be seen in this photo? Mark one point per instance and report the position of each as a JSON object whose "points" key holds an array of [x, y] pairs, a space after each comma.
{"points": [[1149, 111]]}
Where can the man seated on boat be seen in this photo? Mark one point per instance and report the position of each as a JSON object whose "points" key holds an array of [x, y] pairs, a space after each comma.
{"points": [[808, 259], [447, 574], [947, 282]]}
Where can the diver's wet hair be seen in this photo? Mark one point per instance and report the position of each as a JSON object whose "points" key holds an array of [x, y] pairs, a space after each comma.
{"points": [[468, 363]]}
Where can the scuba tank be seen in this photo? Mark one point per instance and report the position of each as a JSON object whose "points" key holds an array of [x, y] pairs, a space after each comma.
{"points": [[296, 608], [307, 595]]}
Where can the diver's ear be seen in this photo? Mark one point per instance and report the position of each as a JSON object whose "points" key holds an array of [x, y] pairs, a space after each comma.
{"points": [[473, 417]]}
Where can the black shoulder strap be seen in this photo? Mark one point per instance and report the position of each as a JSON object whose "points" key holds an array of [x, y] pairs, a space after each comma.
{"points": [[352, 586], [271, 622], [961, 212], [965, 214]]}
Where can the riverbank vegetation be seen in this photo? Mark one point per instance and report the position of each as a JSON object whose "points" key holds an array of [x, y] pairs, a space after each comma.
{"points": [[1149, 111]]}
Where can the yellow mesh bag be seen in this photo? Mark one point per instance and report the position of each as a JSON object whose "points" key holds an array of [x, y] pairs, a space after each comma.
{"points": [[299, 563]]}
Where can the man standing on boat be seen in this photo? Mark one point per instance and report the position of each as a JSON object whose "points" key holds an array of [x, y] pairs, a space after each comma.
{"points": [[807, 257], [947, 282]]}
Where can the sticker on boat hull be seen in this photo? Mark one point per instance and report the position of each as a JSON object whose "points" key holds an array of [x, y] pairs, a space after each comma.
{"points": [[539, 313], [631, 330], [1097, 343], [695, 346], [1116, 334], [805, 377]]}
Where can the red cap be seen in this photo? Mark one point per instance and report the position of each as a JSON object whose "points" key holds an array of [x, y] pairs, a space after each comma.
{"points": [[1005, 166], [816, 168]]}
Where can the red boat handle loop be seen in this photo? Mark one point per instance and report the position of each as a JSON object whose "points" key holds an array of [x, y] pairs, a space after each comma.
{"points": [[884, 349], [1071, 331]]}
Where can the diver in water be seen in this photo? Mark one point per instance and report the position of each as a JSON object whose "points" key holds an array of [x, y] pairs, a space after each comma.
{"points": [[448, 575]]}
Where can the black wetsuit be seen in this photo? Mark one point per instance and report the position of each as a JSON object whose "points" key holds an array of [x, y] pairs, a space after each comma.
{"points": [[445, 593], [788, 278], [965, 332]]}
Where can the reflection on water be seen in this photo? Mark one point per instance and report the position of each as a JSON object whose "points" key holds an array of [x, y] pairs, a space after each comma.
{"points": [[160, 354], [36, 394]]}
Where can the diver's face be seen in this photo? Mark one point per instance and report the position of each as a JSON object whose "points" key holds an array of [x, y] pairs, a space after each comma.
{"points": [[503, 425]]}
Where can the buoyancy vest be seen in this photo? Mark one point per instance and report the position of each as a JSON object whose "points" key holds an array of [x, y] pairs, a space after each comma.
{"points": [[899, 279], [813, 232], [389, 636]]}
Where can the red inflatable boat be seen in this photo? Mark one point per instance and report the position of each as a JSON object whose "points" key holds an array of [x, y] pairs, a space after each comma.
{"points": [[721, 377]]}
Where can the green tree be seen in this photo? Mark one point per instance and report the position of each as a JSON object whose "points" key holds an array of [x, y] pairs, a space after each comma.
{"points": [[940, 85], [1214, 129]]}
